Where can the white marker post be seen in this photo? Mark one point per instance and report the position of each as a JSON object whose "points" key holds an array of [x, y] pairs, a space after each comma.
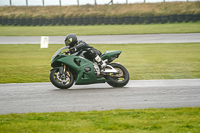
{"points": [[44, 42]]}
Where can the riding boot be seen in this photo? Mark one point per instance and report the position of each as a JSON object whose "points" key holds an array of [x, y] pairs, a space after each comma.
{"points": [[101, 63]]}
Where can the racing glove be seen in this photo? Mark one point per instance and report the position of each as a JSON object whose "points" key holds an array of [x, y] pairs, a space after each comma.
{"points": [[72, 50]]}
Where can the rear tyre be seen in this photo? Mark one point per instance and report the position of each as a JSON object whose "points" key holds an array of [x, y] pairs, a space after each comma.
{"points": [[120, 79], [62, 81]]}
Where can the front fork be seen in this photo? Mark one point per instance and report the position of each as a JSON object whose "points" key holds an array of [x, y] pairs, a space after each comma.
{"points": [[62, 69], [65, 70]]}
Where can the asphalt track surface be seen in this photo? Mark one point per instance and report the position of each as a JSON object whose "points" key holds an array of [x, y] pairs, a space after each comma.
{"points": [[137, 94], [108, 39]]}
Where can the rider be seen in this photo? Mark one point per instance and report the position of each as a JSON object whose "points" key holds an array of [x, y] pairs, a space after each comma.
{"points": [[77, 45]]}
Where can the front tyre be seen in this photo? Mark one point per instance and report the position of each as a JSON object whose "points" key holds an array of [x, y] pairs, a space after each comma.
{"points": [[120, 79], [62, 81]]}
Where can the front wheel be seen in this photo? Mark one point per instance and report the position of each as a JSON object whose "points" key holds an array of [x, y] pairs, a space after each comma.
{"points": [[62, 81], [120, 79]]}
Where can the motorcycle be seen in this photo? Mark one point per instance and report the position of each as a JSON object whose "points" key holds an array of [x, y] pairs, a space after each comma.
{"points": [[69, 68]]}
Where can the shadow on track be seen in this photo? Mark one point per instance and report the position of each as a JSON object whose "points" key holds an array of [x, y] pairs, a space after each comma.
{"points": [[73, 89]]}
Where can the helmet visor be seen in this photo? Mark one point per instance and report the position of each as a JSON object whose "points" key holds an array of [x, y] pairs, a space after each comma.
{"points": [[68, 41]]}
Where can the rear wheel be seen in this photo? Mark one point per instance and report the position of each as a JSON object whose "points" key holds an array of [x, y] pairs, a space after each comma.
{"points": [[62, 81], [120, 79]]}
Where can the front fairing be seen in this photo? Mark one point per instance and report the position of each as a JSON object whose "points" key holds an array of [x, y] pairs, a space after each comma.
{"points": [[83, 67]]}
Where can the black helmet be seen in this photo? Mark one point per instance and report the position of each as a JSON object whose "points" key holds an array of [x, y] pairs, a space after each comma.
{"points": [[70, 40]]}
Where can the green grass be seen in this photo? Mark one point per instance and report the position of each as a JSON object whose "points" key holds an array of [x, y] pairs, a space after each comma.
{"points": [[28, 63], [99, 29], [179, 120]]}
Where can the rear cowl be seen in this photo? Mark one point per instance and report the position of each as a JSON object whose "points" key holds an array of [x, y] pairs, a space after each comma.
{"points": [[110, 54]]}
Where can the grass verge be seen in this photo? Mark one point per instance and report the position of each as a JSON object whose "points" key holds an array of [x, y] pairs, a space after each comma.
{"points": [[100, 29], [179, 120], [28, 63]]}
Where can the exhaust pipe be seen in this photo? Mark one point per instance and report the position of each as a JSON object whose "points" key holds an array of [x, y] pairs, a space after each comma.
{"points": [[110, 70]]}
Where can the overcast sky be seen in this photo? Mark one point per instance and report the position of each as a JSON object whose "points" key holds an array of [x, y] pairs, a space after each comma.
{"points": [[74, 2]]}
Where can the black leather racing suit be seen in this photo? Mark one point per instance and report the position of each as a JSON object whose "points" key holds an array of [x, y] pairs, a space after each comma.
{"points": [[91, 52]]}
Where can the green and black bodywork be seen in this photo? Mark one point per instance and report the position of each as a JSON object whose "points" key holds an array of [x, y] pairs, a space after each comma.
{"points": [[67, 69]]}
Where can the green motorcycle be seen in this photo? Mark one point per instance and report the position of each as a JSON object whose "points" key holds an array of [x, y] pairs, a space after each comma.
{"points": [[67, 69]]}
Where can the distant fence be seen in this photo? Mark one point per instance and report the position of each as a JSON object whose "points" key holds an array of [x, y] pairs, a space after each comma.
{"points": [[100, 20], [77, 2]]}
